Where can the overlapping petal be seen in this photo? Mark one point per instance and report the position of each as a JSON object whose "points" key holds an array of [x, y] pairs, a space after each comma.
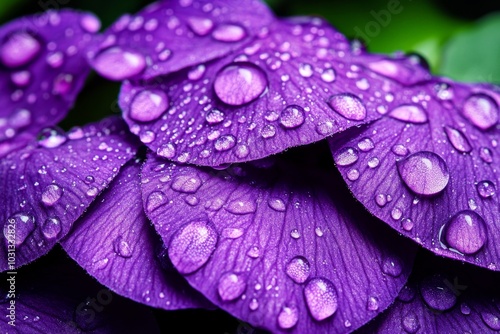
{"points": [[429, 169], [42, 69], [170, 35], [49, 184], [284, 248], [116, 244]]}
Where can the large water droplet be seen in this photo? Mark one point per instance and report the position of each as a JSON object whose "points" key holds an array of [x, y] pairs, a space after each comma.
{"points": [[19, 226], [348, 106], [155, 200], [288, 317], [298, 269], [51, 194], [117, 64], [481, 110], [491, 320], [200, 26], [225, 143], [192, 246], [186, 183], [122, 248], [409, 113], [240, 83], [486, 189], [458, 139], [321, 298], [148, 105], [51, 137], [425, 173], [231, 286], [19, 49], [292, 117], [436, 292], [229, 33], [51, 228], [465, 232], [346, 156]]}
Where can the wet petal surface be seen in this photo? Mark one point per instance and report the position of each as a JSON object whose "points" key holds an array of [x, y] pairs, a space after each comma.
{"points": [[48, 185], [171, 35], [116, 244], [273, 248], [295, 85], [42, 70], [434, 179]]}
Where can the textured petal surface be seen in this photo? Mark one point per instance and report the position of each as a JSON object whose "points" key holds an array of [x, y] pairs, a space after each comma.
{"points": [[55, 296], [171, 35], [42, 69], [116, 244], [276, 247], [443, 298], [429, 169], [48, 185], [295, 85]]}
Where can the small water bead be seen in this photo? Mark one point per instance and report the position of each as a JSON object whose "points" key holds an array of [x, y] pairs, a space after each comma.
{"points": [[396, 214], [21, 78], [465, 232], [240, 83], [288, 317], [186, 183], [348, 106], [19, 226], [268, 131], [491, 320], [366, 145], [328, 75], [147, 137], [225, 143], [346, 156], [229, 33], [63, 84], [486, 189], [424, 172], [410, 323], [298, 269], [254, 304], [148, 105], [232, 233], [155, 200], [118, 64], [240, 207], [458, 139], [192, 246], [325, 128], [55, 59], [409, 113], [20, 118], [122, 248], [372, 304], [295, 233], [277, 204], [92, 191], [89, 179], [321, 298], [486, 155], [319, 232], [305, 70], [90, 23], [196, 72], [254, 252], [292, 116], [392, 267], [407, 224], [381, 200], [200, 26], [400, 150], [373, 162], [465, 309], [472, 204], [242, 151], [51, 228], [353, 174], [19, 48], [51, 194], [231, 286], [437, 294], [214, 116], [51, 137], [166, 151], [481, 110]]}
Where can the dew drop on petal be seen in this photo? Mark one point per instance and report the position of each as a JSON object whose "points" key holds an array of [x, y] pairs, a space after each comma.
{"points": [[491, 320], [465, 232], [214, 116], [424, 172], [122, 248], [372, 304], [409, 113], [19, 49], [225, 143], [117, 64], [410, 323], [92, 191], [242, 151], [481, 110], [288, 317], [292, 117], [346, 156], [192, 246], [155, 200], [51, 228], [21, 78], [366, 144], [298, 269], [51, 137], [229, 33], [148, 105], [90, 23], [19, 226], [277, 204], [186, 183], [328, 75], [486, 155], [51, 194], [400, 150], [268, 131], [486, 189], [437, 294], [200, 26], [231, 286], [392, 267], [166, 151], [458, 139], [348, 106], [241, 207], [321, 298]]}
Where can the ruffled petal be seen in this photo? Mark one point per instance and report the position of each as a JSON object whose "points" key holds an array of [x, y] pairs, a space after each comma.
{"points": [[49, 184], [116, 244]]}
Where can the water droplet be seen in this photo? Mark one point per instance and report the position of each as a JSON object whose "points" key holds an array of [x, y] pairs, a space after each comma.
{"points": [[192, 246], [373, 162], [288, 317], [167, 151], [63, 84], [485, 154], [409, 113], [19, 226], [229, 33], [400, 150], [381, 200], [89, 179], [224, 143], [51, 194], [254, 304], [55, 59], [348, 106], [465, 309], [231, 286], [186, 184], [214, 116], [90, 23], [491, 320], [372, 304], [321, 298], [305, 70], [155, 200], [196, 72], [458, 139], [366, 144], [148, 105], [325, 128], [200, 26], [117, 64], [295, 233], [396, 214], [437, 294], [292, 117], [465, 232], [424, 172], [122, 248], [92, 191], [51, 137], [407, 224], [277, 204], [392, 267], [240, 83], [410, 323], [328, 75], [318, 231], [19, 48], [240, 207], [51, 228], [21, 78], [352, 174], [486, 189], [346, 156], [298, 269], [268, 131], [481, 110], [254, 252]]}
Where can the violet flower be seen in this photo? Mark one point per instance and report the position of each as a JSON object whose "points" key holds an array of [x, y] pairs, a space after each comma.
{"points": [[212, 212]]}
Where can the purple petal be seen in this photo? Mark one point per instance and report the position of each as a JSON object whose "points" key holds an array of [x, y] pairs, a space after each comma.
{"points": [[42, 70], [294, 86], [115, 243], [271, 247], [58, 297], [443, 298], [171, 35], [428, 169], [48, 185]]}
